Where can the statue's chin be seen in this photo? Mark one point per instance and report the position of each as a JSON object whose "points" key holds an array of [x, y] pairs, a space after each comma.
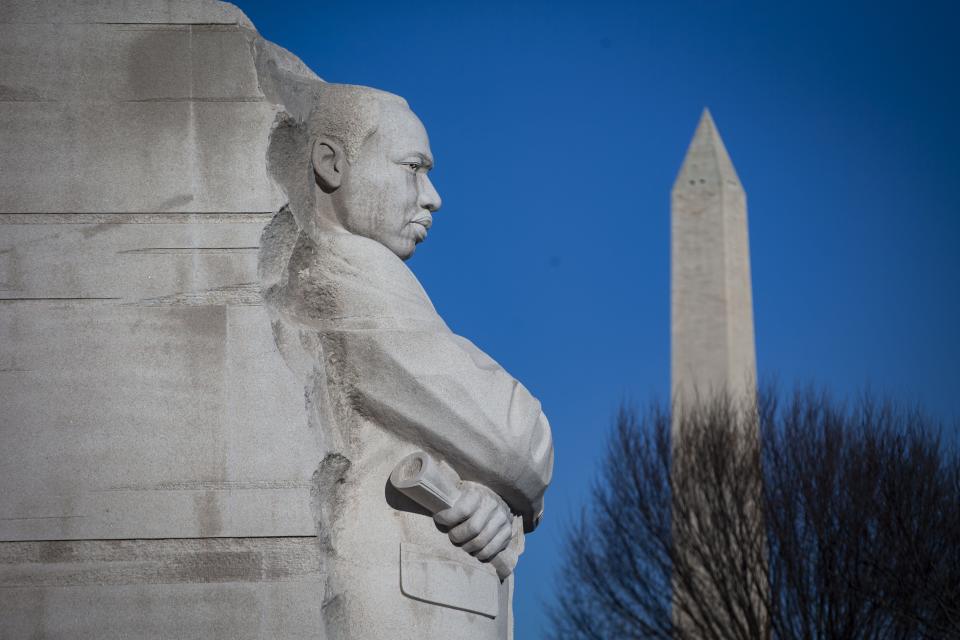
{"points": [[404, 251]]}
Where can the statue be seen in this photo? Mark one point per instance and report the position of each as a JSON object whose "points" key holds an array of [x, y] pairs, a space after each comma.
{"points": [[385, 377]]}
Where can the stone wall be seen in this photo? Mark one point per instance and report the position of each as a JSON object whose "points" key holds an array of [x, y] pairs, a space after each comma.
{"points": [[155, 457]]}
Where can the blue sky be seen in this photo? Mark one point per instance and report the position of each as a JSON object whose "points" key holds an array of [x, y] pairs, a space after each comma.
{"points": [[558, 129]]}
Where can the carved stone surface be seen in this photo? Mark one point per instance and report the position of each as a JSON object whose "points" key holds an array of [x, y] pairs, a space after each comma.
{"points": [[212, 354], [384, 377], [142, 397], [244, 588]]}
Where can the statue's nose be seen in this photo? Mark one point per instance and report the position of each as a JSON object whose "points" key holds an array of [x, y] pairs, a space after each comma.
{"points": [[428, 198]]}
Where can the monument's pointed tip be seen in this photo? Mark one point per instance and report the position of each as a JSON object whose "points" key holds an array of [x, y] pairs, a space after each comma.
{"points": [[707, 155], [705, 121], [706, 132]]}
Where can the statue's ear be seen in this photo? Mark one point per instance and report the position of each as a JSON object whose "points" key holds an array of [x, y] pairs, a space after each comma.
{"points": [[328, 163]]}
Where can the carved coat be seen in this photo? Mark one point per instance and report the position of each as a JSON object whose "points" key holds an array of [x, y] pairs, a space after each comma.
{"points": [[385, 376]]}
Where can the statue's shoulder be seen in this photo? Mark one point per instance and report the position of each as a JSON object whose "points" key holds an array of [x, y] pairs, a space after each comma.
{"points": [[368, 260], [353, 281]]}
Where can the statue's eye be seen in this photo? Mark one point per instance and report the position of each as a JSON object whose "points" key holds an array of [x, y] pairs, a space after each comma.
{"points": [[413, 166]]}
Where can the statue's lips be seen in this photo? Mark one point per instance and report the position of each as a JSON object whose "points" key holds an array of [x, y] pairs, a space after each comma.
{"points": [[422, 224]]}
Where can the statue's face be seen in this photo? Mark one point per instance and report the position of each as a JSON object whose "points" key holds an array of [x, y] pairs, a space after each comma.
{"points": [[386, 194]]}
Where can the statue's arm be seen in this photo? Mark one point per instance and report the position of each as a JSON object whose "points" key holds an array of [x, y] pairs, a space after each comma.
{"points": [[443, 394]]}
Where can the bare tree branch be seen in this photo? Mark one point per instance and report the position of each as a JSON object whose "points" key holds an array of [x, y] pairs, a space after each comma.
{"points": [[839, 522]]}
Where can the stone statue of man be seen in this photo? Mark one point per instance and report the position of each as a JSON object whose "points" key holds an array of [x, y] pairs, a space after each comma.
{"points": [[384, 376]]}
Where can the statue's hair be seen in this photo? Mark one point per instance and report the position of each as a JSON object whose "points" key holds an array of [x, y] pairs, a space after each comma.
{"points": [[349, 114]]}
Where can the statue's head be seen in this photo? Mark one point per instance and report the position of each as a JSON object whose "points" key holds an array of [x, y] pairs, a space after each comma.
{"points": [[369, 157]]}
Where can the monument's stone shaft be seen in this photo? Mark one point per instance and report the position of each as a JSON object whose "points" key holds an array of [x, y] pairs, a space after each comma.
{"points": [[712, 340], [713, 358]]}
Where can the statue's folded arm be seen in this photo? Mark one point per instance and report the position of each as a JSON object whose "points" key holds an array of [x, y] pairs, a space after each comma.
{"points": [[402, 367], [442, 393]]}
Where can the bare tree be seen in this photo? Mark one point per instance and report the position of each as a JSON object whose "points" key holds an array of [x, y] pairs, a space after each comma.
{"points": [[859, 536]]}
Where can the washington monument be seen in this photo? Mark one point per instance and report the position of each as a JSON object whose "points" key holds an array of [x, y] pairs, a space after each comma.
{"points": [[712, 344], [712, 358]]}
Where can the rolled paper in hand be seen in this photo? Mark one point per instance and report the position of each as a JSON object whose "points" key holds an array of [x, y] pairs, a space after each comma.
{"points": [[435, 486]]}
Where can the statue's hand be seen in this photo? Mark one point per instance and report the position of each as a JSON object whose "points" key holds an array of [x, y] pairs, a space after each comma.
{"points": [[480, 522]]}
